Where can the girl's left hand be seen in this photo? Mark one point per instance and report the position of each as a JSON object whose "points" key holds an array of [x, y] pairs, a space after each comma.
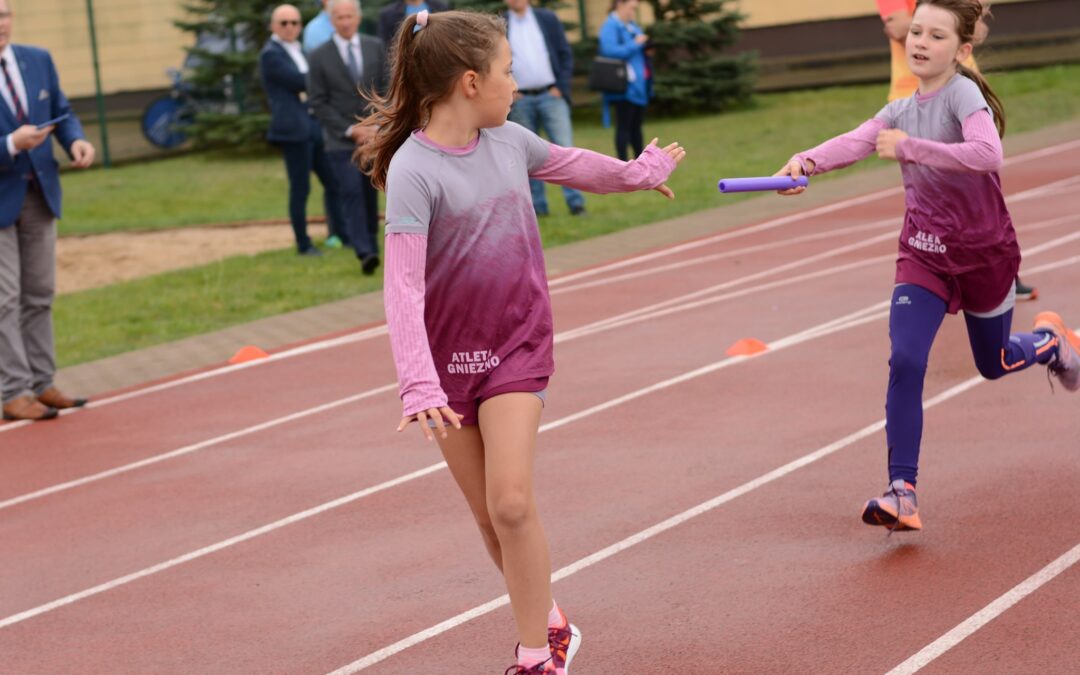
{"points": [[440, 416], [887, 140], [676, 152]]}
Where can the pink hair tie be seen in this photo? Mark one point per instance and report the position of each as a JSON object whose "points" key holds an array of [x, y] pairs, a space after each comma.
{"points": [[421, 21]]}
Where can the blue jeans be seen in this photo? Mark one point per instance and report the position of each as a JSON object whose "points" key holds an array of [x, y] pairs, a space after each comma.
{"points": [[552, 114]]}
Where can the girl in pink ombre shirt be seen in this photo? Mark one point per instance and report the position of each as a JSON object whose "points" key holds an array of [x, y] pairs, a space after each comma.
{"points": [[958, 249], [466, 291]]}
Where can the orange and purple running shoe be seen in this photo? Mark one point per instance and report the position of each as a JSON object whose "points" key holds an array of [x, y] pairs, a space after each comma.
{"points": [[897, 509], [564, 643], [543, 668], [1066, 366]]}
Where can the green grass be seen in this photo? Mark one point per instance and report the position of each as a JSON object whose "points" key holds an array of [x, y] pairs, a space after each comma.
{"points": [[194, 189], [207, 188], [113, 319]]}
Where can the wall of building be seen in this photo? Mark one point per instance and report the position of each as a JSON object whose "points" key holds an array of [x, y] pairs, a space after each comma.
{"points": [[136, 41], [761, 13]]}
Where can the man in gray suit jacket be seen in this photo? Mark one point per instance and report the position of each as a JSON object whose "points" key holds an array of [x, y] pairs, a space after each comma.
{"points": [[338, 70]]}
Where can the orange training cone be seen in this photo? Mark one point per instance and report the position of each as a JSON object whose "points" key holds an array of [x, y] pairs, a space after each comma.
{"points": [[747, 347], [248, 353]]}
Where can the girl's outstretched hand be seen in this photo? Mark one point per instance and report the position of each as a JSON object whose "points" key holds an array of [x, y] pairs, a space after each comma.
{"points": [[437, 414], [676, 152], [887, 140], [794, 169]]}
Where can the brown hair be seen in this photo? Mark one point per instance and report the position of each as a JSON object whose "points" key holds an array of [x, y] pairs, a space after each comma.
{"points": [[423, 69], [968, 13]]}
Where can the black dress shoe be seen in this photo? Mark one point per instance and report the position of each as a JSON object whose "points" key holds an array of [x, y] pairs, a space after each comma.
{"points": [[577, 211], [369, 263], [311, 251]]}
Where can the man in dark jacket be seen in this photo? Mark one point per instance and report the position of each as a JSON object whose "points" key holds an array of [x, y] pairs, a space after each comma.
{"points": [[283, 68], [543, 64], [339, 70], [391, 16]]}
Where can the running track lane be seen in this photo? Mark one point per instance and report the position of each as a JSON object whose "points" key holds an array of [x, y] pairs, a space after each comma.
{"points": [[173, 523], [763, 362]]}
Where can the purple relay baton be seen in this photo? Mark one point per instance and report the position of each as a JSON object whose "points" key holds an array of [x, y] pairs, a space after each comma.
{"points": [[762, 183]]}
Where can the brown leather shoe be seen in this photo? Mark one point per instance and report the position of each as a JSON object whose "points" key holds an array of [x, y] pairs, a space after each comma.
{"points": [[54, 399], [28, 408]]}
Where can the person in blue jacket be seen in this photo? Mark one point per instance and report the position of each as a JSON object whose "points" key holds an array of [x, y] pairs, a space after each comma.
{"points": [[283, 68], [621, 38], [33, 109]]}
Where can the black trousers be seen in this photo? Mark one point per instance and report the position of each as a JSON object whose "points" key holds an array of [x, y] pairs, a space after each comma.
{"points": [[360, 203], [629, 118], [300, 160]]}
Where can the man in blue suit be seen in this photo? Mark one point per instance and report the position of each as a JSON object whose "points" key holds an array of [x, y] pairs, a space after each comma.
{"points": [[543, 65], [283, 68], [29, 206]]}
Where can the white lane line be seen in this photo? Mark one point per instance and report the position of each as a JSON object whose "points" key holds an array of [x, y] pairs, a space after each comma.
{"points": [[205, 551], [987, 614], [224, 370], [611, 324], [1047, 245], [375, 331], [795, 217], [726, 236], [1053, 266], [646, 534], [370, 333], [194, 447], [560, 338], [732, 253], [835, 325], [808, 334], [825, 255], [827, 234], [657, 310], [1046, 224]]}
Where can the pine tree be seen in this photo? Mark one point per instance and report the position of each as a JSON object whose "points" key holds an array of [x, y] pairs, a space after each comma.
{"points": [[220, 73], [693, 69]]}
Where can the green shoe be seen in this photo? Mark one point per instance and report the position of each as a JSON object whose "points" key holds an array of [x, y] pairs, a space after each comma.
{"points": [[332, 242]]}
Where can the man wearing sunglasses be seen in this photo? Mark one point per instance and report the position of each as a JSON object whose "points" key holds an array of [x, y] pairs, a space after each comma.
{"points": [[283, 69]]}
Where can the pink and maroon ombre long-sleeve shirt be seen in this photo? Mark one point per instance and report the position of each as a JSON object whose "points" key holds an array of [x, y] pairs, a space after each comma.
{"points": [[466, 289], [956, 220]]}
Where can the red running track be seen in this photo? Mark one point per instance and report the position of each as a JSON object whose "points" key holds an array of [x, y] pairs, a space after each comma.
{"points": [[266, 519]]}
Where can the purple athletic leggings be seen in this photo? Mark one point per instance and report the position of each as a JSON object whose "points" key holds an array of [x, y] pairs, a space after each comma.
{"points": [[913, 323]]}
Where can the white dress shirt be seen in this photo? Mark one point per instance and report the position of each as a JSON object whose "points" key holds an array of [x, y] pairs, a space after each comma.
{"points": [[532, 63], [295, 52], [8, 54], [343, 47]]}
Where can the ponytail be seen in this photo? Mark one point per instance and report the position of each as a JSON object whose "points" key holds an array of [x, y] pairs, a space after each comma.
{"points": [[988, 93], [394, 115], [425, 63]]}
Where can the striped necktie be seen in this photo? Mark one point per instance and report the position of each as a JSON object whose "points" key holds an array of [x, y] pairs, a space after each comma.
{"points": [[20, 114]]}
